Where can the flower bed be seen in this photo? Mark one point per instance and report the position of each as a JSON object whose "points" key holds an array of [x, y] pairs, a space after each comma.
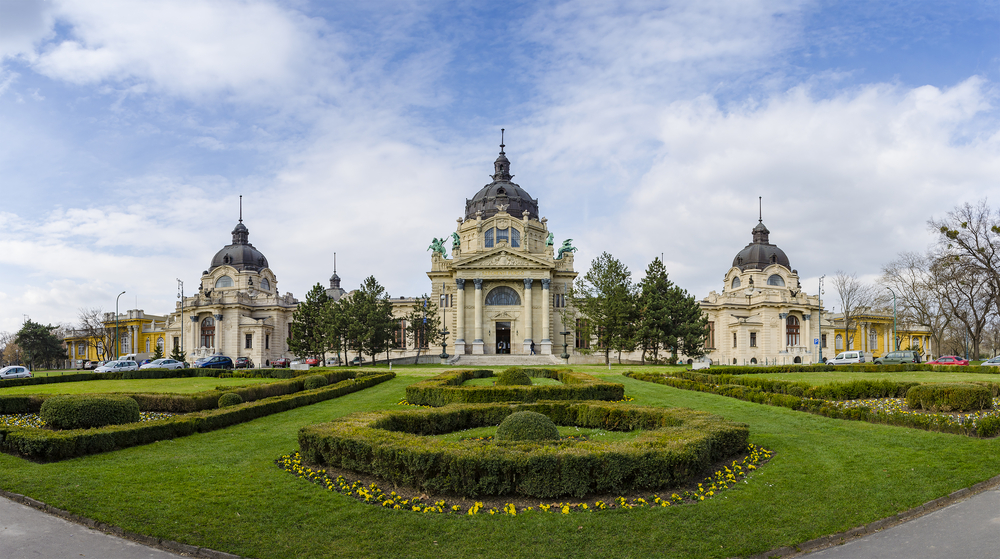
{"points": [[447, 388], [673, 446]]}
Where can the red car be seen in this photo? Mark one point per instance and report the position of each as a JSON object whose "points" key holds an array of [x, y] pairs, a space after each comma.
{"points": [[948, 360], [312, 362], [282, 362]]}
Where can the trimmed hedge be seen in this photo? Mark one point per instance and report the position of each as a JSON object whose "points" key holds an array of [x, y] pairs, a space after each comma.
{"points": [[987, 427], [513, 376], [86, 411], [849, 390], [45, 445], [447, 388], [863, 368], [948, 397], [230, 399], [675, 446], [527, 426], [313, 382]]}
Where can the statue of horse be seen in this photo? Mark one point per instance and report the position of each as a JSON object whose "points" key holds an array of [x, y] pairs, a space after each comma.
{"points": [[455, 241], [437, 245], [567, 246]]}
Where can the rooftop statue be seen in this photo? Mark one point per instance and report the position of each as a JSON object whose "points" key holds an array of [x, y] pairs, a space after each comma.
{"points": [[455, 241], [567, 246], [437, 245], [550, 240]]}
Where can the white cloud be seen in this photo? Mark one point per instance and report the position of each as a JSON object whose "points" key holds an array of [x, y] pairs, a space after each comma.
{"points": [[23, 23]]}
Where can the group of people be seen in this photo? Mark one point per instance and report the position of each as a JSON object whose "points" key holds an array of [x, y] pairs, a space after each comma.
{"points": [[504, 347]]}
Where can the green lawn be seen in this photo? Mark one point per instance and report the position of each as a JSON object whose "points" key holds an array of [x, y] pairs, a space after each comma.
{"points": [[221, 490], [827, 377], [174, 385]]}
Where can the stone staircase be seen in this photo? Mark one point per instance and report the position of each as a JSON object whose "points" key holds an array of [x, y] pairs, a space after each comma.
{"points": [[506, 360]]}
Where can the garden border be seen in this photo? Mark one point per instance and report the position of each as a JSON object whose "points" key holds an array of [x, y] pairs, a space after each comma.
{"points": [[447, 388], [45, 445], [677, 445]]}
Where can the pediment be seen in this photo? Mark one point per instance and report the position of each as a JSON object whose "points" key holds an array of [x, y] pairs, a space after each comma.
{"points": [[503, 258]]}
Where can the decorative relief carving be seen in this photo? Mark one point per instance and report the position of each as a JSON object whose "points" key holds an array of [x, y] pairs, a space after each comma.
{"points": [[497, 315], [503, 223]]}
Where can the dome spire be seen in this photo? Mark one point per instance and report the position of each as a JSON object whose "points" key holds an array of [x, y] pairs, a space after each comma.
{"points": [[501, 141], [760, 209], [501, 166]]}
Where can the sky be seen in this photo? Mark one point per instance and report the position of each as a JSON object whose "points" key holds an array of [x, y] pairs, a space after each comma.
{"points": [[129, 130]]}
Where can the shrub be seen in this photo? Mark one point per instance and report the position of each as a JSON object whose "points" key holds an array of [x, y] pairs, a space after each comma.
{"points": [[527, 426], [230, 399], [949, 397], [447, 388], [85, 411], [313, 382], [513, 376], [988, 426]]}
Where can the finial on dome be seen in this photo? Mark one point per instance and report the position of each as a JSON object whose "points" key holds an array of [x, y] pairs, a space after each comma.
{"points": [[760, 209], [241, 208], [501, 140]]}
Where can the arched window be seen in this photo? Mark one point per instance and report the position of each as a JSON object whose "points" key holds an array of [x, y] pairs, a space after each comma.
{"points": [[797, 359], [503, 295], [515, 237], [208, 332], [159, 343], [840, 342], [489, 238], [736, 282], [753, 360], [147, 345], [775, 279], [791, 331], [872, 340], [264, 284], [224, 281]]}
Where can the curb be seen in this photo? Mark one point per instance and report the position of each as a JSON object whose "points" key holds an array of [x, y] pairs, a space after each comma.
{"points": [[166, 545], [841, 538]]}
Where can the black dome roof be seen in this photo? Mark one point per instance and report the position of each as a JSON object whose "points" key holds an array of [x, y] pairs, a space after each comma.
{"points": [[241, 254], [760, 254], [501, 192]]}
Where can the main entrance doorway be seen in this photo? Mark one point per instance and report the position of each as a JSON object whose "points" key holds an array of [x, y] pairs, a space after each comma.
{"points": [[503, 338]]}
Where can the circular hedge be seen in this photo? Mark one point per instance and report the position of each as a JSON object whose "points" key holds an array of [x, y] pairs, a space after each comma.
{"points": [[671, 447], [949, 397], [527, 426], [230, 399], [313, 382], [447, 388], [514, 376], [85, 411]]}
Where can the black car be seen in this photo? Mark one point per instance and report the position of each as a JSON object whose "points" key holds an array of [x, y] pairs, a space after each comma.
{"points": [[215, 362], [244, 363]]}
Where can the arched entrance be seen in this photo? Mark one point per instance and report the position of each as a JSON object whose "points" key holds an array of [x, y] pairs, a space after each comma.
{"points": [[208, 332], [503, 338]]}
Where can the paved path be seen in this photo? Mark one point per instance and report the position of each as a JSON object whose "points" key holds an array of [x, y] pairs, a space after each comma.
{"points": [[26, 532], [968, 529]]}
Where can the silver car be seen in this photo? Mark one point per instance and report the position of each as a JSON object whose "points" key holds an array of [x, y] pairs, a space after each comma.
{"points": [[117, 366], [14, 371], [163, 364]]}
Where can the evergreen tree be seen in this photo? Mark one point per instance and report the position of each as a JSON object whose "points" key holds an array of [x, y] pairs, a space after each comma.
{"points": [[372, 325], [423, 324], [177, 354], [669, 318], [335, 320], [39, 344], [606, 297], [157, 352], [309, 330]]}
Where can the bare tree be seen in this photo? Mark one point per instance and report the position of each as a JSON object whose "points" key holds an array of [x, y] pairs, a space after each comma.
{"points": [[7, 341], [919, 295], [969, 296], [98, 334], [856, 298], [971, 233]]}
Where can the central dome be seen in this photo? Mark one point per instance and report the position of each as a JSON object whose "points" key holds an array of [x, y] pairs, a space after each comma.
{"points": [[241, 254], [501, 192], [760, 254]]}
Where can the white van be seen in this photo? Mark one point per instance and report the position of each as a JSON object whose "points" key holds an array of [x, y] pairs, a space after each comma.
{"points": [[849, 358]]}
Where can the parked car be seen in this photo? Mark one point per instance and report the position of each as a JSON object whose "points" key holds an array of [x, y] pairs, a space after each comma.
{"points": [[163, 364], [145, 362], [949, 360], [898, 358], [118, 366], [358, 360], [216, 362], [312, 362], [89, 365], [848, 358], [244, 363], [14, 371], [281, 362], [994, 362]]}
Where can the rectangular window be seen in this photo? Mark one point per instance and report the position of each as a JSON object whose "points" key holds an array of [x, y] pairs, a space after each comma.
{"points": [[753, 339], [177, 342], [515, 237], [249, 342], [488, 243], [399, 335], [582, 334], [823, 340], [289, 330], [734, 339], [267, 341], [710, 338], [502, 235]]}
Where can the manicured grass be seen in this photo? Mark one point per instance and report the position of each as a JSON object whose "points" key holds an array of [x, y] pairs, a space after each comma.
{"points": [[827, 377], [171, 385], [221, 489]]}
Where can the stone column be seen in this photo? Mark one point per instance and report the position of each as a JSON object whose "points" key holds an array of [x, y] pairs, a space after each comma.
{"points": [[477, 343], [783, 342], [546, 297], [807, 331], [218, 333], [193, 337], [460, 318], [527, 315]]}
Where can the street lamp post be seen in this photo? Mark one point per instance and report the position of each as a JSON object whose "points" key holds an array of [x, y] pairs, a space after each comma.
{"points": [[819, 313], [117, 334], [565, 354], [444, 345], [895, 338], [180, 295]]}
